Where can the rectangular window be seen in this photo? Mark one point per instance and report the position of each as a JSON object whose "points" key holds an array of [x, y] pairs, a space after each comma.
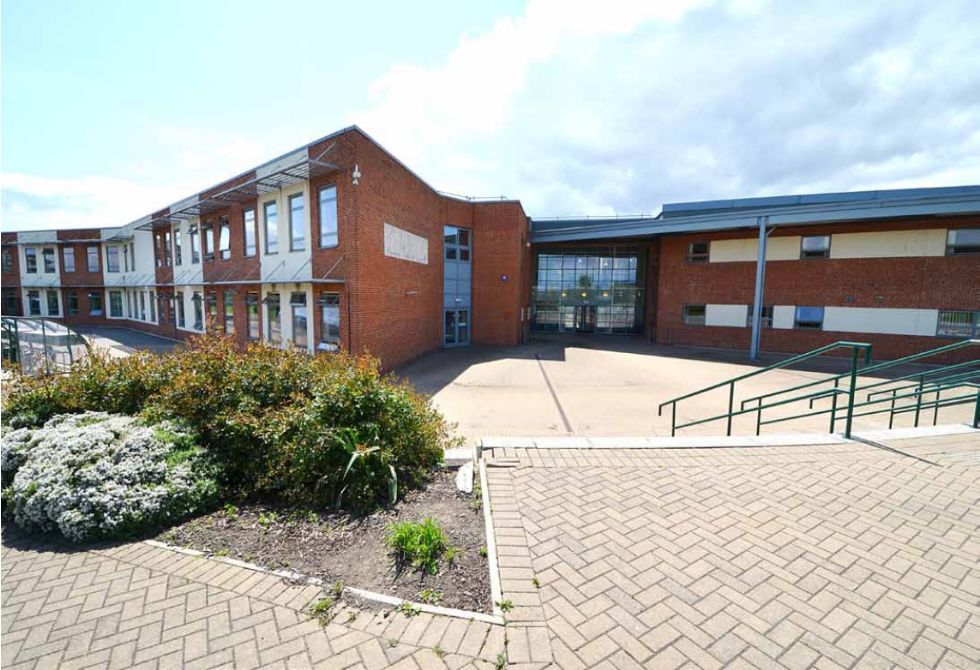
{"points": [[195, 245], [130, 304], [181, 321], [112, 259], [297, 223], [229, 312], [8, 261], [198, 311], [809, 318], [328, 216], [765, 321], [224, 240], [329, 321], [53, 309], [157, 256], [249, 230], [92, 258], [132, 256], [115, 304], [72, 303], [698, 252], [456, 243], [207, 242], [212, 311], [271, 227], [95, 304], [815, 246], [142, 305], [166, 248], [152, 298], [178, 247], [49, 262], [126, 258], [274, 320], [297, 303], [171, 309], [34, 303], [252, 311], [694, 315], [963, 241], [68, 259], [30, 260], [956, 323]]}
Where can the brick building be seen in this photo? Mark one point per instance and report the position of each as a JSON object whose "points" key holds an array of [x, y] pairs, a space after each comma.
{"points": [[338, 244]]}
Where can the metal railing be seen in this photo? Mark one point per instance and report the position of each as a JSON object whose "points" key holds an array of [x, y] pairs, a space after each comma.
{"points": [[923, 394], [40, 346]]}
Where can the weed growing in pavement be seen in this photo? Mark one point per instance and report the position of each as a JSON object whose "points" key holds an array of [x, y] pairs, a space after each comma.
{"points": [[505, 605], [392, 642], [438, 651], [337, 589], [500, 663], [322, 607], [408, 609], [483, 552]]}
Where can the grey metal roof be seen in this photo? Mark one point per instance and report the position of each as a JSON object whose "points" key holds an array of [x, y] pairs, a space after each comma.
{"points": [[711, 215]]}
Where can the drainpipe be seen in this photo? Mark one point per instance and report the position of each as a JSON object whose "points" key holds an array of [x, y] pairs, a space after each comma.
{"points": [[760, 285]]}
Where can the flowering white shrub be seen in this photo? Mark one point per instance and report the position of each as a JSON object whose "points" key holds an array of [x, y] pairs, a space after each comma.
{"points": [[99, 475]]}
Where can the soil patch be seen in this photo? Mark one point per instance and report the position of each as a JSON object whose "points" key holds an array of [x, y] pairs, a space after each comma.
{"points": [[336, 547]]}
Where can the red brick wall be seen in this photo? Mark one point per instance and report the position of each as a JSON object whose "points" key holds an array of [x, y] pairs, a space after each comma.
{"points": [[10, 281], [946, 282], [500, 234], [79, 241]]}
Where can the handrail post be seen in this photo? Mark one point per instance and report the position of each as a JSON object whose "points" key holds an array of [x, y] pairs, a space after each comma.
{"points": [[976, 411], [758, 419], [850, 393], [935, 410], [891, 414], [731, 406], [673, 418], [833, 406], [918, 398], [44, 347]]}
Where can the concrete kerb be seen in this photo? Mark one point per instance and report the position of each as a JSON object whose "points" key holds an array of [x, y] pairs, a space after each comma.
{"points": [[380, 598]]}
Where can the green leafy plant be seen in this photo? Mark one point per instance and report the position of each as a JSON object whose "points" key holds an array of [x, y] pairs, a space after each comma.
{"points": [[438, 651], [408, 609], [505, 605], [421, 545], [366, 465], [483, 551], [337, 589], [430, 596], [536, 582], [322, 607]]}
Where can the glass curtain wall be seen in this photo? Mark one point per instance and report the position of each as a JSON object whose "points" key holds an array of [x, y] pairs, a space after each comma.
{"points": [[589, 290]]}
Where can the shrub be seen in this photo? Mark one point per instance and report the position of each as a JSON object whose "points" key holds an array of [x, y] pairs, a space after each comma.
{"points": [[421, 545], [312, 429], [95, 475]]}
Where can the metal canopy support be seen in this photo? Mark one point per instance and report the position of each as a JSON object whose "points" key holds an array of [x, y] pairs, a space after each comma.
{"points": [[760, 285]]}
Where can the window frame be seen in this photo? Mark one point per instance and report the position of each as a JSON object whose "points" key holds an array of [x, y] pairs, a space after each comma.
{"points": [[320, 218], [110, 251], [111, 310], [686, 318], [181, 313], [228, 312], [92, 252], [329, 302], [252, 309], [178, 247], [66, 253], [224, 239], [30, 254], [296, 243], [207, 242], [294, 307], [194, 236], [48, 256], [974, 326], [951, 248], [33, 297], [697, 258], [71, 306], [271, 241], [269, 320], [765, 321], [95, 298], [825, 253], [48, 294], [7, 260], [254, 230], [797, 321]]}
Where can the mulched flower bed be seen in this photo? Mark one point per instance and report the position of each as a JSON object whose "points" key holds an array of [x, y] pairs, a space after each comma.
{"points": [[337, 547]]}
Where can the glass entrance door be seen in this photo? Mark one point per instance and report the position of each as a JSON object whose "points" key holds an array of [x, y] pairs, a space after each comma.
{"points": [[456, 327], [585, 319]]}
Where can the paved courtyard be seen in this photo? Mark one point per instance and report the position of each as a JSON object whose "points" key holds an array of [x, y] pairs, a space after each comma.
{"points": [[611, 386], [835, 556]]}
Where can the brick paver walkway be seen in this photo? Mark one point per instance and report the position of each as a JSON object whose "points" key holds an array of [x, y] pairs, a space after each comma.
{"points": [[837, 556], [146, 607]]}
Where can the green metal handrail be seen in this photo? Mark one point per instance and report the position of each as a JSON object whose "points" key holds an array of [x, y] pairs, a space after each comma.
{"points": [[855, 347], [13, 337]]}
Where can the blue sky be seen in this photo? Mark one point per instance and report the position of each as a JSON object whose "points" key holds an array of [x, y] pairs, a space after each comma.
{"points": [[113, 109]]}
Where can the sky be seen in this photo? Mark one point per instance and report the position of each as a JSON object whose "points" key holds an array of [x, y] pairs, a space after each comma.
{"points": [[110, 110]]}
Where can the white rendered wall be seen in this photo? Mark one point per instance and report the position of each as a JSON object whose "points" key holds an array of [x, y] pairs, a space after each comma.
{"points": [[881, 320], [747, 249], [726, 315], [896, 243], [783, 316], [286, 265]]}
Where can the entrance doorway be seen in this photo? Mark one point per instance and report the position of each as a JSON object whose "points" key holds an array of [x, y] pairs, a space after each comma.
{"points": [[456, 327], [585, 319]]}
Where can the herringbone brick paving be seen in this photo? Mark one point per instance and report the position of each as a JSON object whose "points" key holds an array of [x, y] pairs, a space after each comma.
{"points": [[145, 607], [842, 556]]}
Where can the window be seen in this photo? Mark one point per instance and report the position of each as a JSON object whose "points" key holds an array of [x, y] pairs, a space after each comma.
{"points": [[698, 252], [132, 256], [198, 311], [153, 306], [694, 315], [207, 243], [49, 262], [765, 321], [142, 306], [115, 304], [92, 258], [328, 216], [30, 260], [274, 321], [212, 310], [248, 224], [11, 305], [68, 259], [126, 258], [958, 323], [224, 240], [229, 312], [166, 248], [178, 247], [456, 242], [72, 303], [809, 318], [963, 241], [157, 256], [252, 311], [195, 245], [297, 223], [815, 246], [131, 304], [95, 304], [8, 261], [34, 303], [330, 321], [271, 228], [53, 308], [171, 309], [297, 303], [112, 259], [180, 309]]}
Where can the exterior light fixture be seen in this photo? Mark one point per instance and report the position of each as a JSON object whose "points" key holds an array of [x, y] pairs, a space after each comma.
{"points": [[356, 175], [564, 294], [605, 294], [584, 294]]}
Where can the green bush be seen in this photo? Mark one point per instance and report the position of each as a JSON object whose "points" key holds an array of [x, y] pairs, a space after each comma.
{"points": [[420, 545], [324, 429]]}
